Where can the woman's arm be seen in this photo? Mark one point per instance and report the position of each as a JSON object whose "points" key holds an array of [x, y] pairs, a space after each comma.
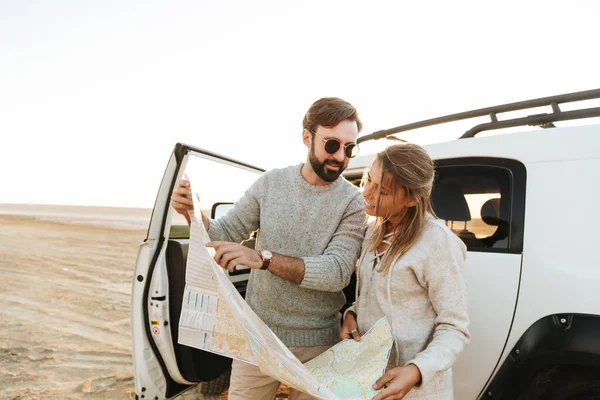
{"points": [[443, 277]]}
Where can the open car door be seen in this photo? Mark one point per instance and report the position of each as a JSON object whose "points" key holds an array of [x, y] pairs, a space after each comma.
{"points": [[163, 368]]}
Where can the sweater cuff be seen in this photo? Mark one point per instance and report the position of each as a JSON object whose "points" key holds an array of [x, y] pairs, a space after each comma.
{"points": [[351, 309], [313, 275], [427, 367]]}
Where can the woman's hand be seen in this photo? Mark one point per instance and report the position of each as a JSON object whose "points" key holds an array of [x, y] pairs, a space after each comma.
{"points": [[397, 382], [350, 328]]}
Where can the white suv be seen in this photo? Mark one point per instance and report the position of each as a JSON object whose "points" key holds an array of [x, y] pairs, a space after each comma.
{"points": [[526, 206]]}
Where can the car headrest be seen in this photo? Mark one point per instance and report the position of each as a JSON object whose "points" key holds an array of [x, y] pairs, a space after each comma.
{"points": [[449, 203], [490, 212]]}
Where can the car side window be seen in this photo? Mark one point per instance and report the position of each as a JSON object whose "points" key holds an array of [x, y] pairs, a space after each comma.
{"points": [[482, 202]]}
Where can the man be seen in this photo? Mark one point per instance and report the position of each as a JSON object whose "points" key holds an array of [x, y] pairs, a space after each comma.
{"points": [[311, 224]]}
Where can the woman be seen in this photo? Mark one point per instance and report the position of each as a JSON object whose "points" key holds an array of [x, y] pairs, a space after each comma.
{"points": [[411, 271]]}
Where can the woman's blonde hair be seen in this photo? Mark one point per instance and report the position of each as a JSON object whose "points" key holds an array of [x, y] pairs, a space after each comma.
{"points": [[412, 171]]}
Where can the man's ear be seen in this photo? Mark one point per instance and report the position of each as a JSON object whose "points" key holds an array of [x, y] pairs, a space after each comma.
{"points": [[306, 137]]}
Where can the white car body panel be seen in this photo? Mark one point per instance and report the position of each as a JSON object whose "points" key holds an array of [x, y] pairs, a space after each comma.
{"points": [[561, 271], [492, 283]]}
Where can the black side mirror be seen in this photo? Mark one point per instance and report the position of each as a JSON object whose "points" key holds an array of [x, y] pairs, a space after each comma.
{"points": [[220, 209]]}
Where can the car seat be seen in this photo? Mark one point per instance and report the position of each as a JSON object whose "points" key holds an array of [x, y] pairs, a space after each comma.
{"points": [[490, 214], [449, 203]]}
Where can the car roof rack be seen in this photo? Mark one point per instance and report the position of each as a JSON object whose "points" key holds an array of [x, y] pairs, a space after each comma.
{"points": [[545, 120]]}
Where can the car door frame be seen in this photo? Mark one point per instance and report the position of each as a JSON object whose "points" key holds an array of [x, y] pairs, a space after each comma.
{"points": [[158, 380]]}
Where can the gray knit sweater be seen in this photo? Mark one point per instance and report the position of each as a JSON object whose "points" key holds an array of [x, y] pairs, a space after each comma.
{"points": [[323, 225]]}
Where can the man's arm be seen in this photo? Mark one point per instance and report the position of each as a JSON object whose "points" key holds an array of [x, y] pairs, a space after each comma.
{"points": [[329, 272], [228, 255], [286, 267]]}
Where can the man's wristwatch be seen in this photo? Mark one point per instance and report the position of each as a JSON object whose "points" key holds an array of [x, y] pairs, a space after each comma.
{"points": [[266, 257]]}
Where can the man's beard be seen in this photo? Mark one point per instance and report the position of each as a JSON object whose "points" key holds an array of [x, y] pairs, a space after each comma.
{"points": [[319, 167]]}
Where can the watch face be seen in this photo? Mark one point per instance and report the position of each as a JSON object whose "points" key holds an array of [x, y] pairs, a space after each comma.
{"points": [[266, 254]]}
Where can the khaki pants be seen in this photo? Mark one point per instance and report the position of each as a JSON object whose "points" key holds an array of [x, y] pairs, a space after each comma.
{"points": [[249, 383]]}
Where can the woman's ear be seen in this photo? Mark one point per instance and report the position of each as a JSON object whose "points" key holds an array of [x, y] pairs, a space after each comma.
{"points": [[412, 202]]}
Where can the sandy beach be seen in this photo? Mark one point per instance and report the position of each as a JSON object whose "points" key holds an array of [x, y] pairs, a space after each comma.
{"points": [[65, 306], [65, 279]]}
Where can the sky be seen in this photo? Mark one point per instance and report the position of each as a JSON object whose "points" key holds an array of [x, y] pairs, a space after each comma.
{"points": [[95, 94]]}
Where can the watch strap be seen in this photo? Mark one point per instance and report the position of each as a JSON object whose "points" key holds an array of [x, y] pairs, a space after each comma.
{"points": [[266, 261]]}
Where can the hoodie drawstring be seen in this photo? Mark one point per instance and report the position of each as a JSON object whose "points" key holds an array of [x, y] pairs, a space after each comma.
{"points": [[389, 293]]}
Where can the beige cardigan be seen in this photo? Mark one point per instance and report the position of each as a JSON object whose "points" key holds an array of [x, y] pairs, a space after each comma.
{"points": [[424, 297]]}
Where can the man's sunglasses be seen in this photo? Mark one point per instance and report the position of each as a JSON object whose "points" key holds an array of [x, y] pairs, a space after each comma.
{"points": [[333, 145]]}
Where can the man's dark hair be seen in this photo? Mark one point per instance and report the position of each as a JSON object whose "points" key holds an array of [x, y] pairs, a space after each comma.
{"points": [[328, 112]]}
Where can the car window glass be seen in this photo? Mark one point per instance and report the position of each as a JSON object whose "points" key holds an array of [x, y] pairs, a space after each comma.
{"points": [[215, 181], [475, 203]]}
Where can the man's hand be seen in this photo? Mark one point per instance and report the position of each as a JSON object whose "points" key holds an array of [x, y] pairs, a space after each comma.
{"points": [[228, 255], [350, 328], [181, 198], [397, 382]]}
